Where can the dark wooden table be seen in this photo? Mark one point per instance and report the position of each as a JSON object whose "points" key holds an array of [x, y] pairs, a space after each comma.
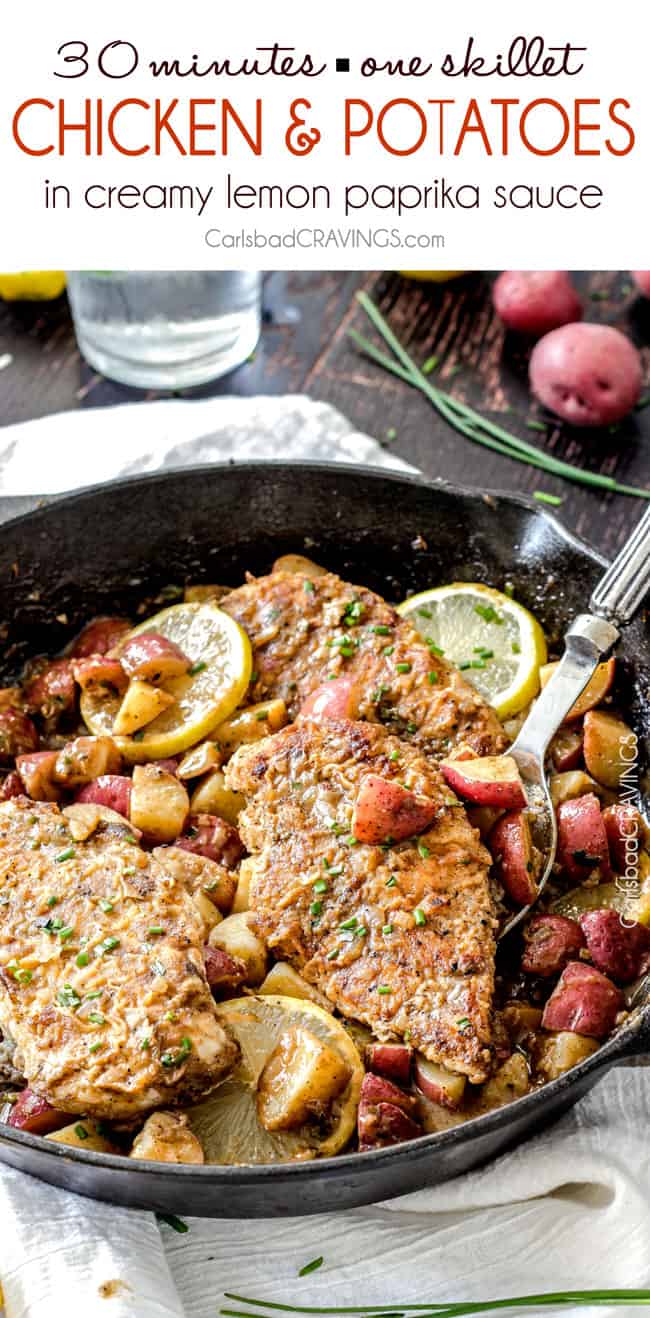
{"points": [[305, 348]]}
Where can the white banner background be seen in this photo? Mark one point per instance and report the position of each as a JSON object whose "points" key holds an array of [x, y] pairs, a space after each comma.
{"points": [[615, 66]]}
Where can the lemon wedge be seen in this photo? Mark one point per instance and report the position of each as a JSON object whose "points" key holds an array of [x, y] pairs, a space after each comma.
{"points": [[495, 642], [221, 658], [32, 285], [227, 1123]]}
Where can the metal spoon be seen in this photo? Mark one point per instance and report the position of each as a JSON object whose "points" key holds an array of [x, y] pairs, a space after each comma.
{"points": [[614, 601]]}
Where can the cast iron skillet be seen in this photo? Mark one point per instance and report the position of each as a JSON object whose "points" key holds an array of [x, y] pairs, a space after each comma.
{"points": [[102, 550]]}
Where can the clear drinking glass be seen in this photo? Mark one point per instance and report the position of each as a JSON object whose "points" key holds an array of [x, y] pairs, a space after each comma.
{"points": [[161, 330]]}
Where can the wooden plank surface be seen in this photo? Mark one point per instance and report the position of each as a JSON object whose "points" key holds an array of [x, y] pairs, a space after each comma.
{"points": [[305, 348]]}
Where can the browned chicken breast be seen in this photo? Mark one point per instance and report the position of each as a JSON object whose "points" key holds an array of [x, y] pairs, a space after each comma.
{"points": [[400, 936], [304, 632], [102, 983]]}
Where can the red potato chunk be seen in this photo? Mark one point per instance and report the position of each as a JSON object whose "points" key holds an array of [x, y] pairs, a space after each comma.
{"points": [[12, 786], [511, 846], [535, 301], [642, 281], [18, 735], [385, 1114], [98, 671], [99, 636], [37, 774], [582, 839], [625, 834], [33, 1114], [618, 947], [51, 693], [86, 758], [595, 691], [391, 1060], [383, 810], [492, 780], [206, 835], [222, 971], [153, 658], [551, 942], [438, 1084], [566, 750], [610, 747], [583, 1001], [337, 699], [590, 375], [112, 790]]}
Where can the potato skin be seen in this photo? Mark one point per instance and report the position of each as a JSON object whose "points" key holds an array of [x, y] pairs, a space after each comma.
{"points": [[590, 375], [383, 809], [583, 1001], [618, 947], [582, 840], [551, 941], [535, 301]]}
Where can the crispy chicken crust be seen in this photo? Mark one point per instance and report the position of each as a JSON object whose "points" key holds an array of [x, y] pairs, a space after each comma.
{"points": [[303, 632], [102, 982], [343, 914]]}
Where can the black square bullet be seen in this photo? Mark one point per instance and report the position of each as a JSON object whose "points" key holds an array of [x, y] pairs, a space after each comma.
{"points": [[342, 66]]}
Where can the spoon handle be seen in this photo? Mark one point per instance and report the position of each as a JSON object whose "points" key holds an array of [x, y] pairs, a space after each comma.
{"points": [[587, 640], [620, 592]]}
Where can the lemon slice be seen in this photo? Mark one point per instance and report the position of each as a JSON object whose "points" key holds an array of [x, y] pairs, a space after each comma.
{"points": [[227, 1123], [32, 285], [218, 648], [497, 644]]}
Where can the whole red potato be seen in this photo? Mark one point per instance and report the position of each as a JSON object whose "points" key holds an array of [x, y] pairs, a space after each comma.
{"points": [[642, 281], [583, 1001], [589, 375], [618, 947], [535, 301]]}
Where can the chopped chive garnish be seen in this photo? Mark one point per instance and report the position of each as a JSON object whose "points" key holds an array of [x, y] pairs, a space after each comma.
{"points": [[145, 1045], [174, 1058], [108, 945], [430, 365], [262, 716], [463, 1022], [536, 425], [360, 931], [106, 905], [64, 855], [331, 956], [320, 885], [198, 667], [155, 929], [388, 650], [433, 678], [352, 841], [384, 989], [52, 901], [335, 870], [316, 908], [435, 649], [349, 924], [308, 586], [95, 1047], [96, 994], [553, 499], [387, 929], [516, 648], [96, 1018], [487, 613], [423, 850], [81, 1132], [381, 630], [311, 1267], [424, 613], [403, 668], [392, 881], [391, 434], [394, 755], [65, 934], [176, 1223], [82, 960], [419, 916], [68, 997], [139, 735]]}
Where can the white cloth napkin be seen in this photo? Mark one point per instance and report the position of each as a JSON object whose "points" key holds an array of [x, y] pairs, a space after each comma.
{"points": [[568, 1209]]}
